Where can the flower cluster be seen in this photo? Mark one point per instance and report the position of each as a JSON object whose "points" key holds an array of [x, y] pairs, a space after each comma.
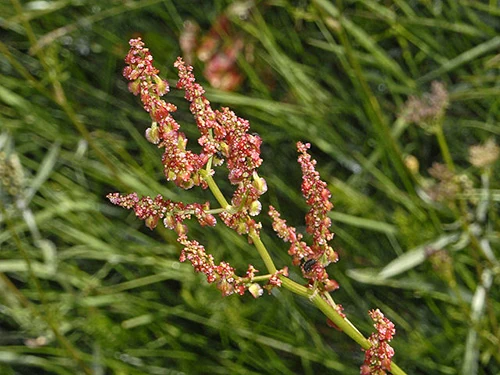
{"points": [[485, 155], [173, 213], [428, 110], [223, 136], [320, 254], [180, 165], [448, 184], [378, 357], [222, 274]]}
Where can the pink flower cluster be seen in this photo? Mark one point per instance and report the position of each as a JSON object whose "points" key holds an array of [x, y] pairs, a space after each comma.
{"points": [[222, 274], [320, 254], [223, 136], [378, 357], [173, 213]]}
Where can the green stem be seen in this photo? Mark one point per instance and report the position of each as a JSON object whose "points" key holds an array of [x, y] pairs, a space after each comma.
{"points": [[443, 145], [313, 295], [264, 254], [343, 323], [260, 278], [215, 190]]}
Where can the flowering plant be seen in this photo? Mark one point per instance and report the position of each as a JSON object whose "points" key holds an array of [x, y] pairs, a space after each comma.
{"points": [[225, 137]]}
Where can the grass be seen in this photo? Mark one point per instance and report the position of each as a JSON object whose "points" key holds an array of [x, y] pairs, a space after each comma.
{"points": [[86, 288]]}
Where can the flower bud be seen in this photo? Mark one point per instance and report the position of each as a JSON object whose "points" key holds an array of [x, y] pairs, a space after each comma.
{"points": [[386, 364], [331, 255], [186, 184], [285, 272], [151, 222], [331, 285], [412, 164], [171, 175], [365, 370], [259, 183], [209, 220], [255, 290], [225, 287], [169, 222], [242, 228], [224, 148], [152, 134], [182, 142], [255, 208], [134, 87], [161, 86], [180, 229], [197, 178]]}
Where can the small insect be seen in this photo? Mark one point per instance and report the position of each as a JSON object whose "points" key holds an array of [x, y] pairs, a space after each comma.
{"points": [[218, 158], [308, 265]]}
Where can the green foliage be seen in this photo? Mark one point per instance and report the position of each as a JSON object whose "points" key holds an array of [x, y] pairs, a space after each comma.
{"points": [[86, 288]]}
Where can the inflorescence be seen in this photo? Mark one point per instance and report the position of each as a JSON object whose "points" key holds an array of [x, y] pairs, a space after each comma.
{"points": [[225, 137], [378, 357], [320, 254]]}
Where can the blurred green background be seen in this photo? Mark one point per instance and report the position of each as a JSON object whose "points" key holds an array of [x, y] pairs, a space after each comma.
{"points": [[85, 287]]}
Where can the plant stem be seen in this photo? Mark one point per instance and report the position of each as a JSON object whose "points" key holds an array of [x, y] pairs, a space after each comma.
{"points": [[215, 189], [343, 323], [443, 145], [264, 254], [314, 296]]}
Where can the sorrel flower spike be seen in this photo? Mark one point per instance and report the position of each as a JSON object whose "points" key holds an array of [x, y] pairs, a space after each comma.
{"points": [[180, 165], [320, 254], [378, 357]]}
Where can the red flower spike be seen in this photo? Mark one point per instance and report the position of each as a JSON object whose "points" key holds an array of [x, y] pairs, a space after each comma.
{"points": [[173, 213], [378, 357], [222, 274], [180, 165], [320, 254]]}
